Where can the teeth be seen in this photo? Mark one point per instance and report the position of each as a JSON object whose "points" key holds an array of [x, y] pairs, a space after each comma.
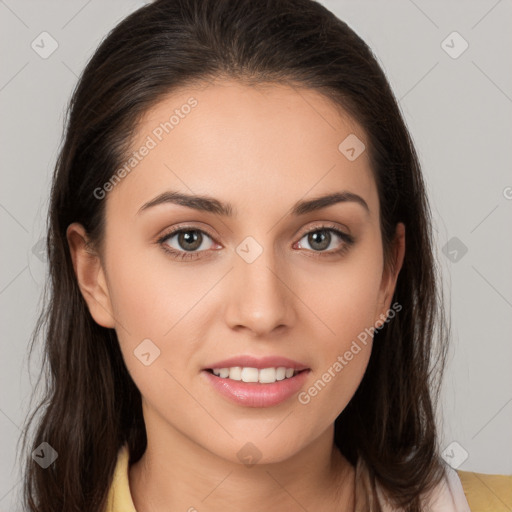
{"points": [[249, 374], [264, 376], [280, 373], [234, 373]]}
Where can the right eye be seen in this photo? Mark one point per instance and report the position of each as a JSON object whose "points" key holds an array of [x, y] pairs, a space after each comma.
{"points": [[187, 241]]}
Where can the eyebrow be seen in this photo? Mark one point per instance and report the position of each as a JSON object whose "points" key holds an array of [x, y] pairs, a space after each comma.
{"points": [[212, 205]]}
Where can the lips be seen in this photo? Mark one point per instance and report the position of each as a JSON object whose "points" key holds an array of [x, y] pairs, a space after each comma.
{"points": [[255, 394], [249, 361]]}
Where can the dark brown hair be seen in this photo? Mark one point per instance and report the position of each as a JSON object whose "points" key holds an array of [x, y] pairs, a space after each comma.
{"points": [[90, 405]]}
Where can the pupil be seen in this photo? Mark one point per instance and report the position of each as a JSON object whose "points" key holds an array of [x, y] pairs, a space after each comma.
{"points": [[325, 237], [189, 237]]}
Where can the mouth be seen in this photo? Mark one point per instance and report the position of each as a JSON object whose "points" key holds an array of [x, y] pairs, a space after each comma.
{"points": [[249, 374], [256, 387]]}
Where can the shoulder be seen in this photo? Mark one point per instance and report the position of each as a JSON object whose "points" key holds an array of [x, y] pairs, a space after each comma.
{"points": [[449, 495]]}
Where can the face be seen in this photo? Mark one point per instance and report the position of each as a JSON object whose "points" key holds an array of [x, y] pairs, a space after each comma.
{"points": [[267, 278]]}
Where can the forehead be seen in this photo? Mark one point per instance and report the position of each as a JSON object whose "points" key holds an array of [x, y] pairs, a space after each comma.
{"points": [[255, 146]]}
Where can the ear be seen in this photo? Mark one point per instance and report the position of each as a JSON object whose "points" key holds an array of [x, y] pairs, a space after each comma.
{"points": [[390, 275], [90, 275]]}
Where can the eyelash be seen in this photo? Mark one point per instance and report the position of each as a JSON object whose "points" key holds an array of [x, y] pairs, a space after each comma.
{"points": [[191, 255]]}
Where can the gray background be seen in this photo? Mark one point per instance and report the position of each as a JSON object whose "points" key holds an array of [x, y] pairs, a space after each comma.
{"points": [[458, 107]]}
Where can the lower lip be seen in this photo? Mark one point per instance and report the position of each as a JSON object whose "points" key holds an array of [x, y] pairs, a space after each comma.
{"points": [[254, 394]]}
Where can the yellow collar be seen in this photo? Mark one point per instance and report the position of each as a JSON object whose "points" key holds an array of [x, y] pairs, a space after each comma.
{"points": [[119, 497]]}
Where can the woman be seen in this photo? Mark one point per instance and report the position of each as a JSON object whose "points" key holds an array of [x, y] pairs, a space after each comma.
{"points": [[244, 310]]}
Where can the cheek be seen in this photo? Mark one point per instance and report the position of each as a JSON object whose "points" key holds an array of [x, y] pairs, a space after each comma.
{"points": [[150, 295], [346, 301], [344, 296], [333, 386], [154, 305], [342, 352]]}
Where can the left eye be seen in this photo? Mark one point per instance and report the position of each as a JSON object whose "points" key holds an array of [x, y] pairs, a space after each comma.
{"points": [[320, 239]]}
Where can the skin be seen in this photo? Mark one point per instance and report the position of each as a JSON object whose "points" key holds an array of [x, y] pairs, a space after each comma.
{"points": [[261, 149]]}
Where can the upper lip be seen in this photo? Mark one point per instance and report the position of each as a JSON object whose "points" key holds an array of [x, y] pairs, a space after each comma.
{"points": [[248, 361]]}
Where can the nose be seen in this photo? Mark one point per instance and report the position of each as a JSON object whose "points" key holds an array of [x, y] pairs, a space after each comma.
{"points": [[261, 298]]}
